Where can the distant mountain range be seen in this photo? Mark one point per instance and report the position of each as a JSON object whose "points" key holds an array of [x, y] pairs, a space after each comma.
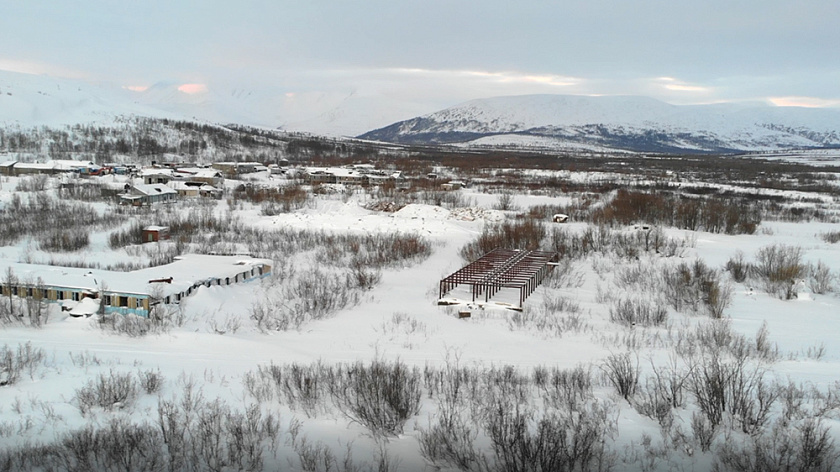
{"points": [[626, 123], [552, 122]]}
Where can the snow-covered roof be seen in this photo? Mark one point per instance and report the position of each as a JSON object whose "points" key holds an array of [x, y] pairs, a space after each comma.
{"points": [[153, 189], [185, 271], [146, 171], [57, 164], [199, 172]]}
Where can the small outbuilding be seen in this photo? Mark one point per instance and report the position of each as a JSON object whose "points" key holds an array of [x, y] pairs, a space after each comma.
{"points": [[560, 218], [155, 233]]}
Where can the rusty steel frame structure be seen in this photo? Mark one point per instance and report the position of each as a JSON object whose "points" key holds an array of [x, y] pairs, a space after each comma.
{"points": [[502, 268]]}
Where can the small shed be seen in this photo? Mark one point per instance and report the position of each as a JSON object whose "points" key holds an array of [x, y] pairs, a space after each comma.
{"points": [[560, 218], [155, 233]]}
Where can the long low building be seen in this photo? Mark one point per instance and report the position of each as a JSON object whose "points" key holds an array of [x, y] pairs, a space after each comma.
{"points": [[134, 292]]}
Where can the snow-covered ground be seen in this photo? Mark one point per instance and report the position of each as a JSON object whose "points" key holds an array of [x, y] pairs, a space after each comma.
{"points": [[399, 319]]}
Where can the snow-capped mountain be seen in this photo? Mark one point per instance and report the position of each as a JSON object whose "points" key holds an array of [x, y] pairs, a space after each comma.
{"points": [[619, 122]]}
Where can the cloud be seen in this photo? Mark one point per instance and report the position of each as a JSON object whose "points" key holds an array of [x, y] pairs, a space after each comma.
{"points": [[439, 52], [809, 102], [191, 89], [37, 68]]}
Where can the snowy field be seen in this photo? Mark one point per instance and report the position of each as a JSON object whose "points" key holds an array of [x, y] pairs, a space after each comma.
{"points": [[216, 349]]}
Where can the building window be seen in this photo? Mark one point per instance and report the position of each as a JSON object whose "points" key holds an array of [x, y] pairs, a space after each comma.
{"points": [[124, 301], [61, 294], [107, 299], [29, 292], [76, 296]]}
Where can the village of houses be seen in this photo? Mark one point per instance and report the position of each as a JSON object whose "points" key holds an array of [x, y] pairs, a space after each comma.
{"points": [[84, 292]]}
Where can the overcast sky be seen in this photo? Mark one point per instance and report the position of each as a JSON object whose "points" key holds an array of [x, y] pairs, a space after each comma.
{"points": [[438, 53]]}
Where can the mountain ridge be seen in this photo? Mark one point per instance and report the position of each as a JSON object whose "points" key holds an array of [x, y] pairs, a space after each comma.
{"points": [[629, 123]]}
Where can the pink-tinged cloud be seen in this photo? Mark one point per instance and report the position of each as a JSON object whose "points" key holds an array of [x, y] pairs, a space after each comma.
{"points": [[136, 88], [809, 102], [191, 89], [38, 68]]}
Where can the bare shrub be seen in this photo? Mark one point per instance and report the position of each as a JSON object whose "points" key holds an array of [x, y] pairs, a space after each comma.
{"points": [[526, 234], [380, 396], [631, 312], [15, 362], [311, 295], [566, 274], [504, 202], [450, 442], [567, 388], [622, 373], [704, 431], [730, 386], [820, 278], [151, 381], [112, 391], [119, 445], [831, 237], [130, 325], [696, 287], [64, 240], [32, 183], [559, 440], [303, 387], [780, 267], [738, 267], [556, 316], [807, 446]]}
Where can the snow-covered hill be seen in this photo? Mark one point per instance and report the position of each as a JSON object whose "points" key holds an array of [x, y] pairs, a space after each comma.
{"points": [[28, 100], [623, 122]]}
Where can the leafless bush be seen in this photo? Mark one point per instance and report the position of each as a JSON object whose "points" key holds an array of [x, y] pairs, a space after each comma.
{"points": [[603, 240], [450, 442], [780, 267], [42, 213], [831, 237], [630, 311], [311, 295], [723, 386], [363, 278], [558, 440], [738, 267], [566, 274], [303, 387], [696, 287], [526, 234], [119, 445], [32, 183], [820, 278], [807, 446], [112, 391], [567, 388], [130, 325], [64, 240], [15, 362], [504, 202], [622, 373], [380, 396], [230, 324], [704, 431], [151, 381], [556, 316]]}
